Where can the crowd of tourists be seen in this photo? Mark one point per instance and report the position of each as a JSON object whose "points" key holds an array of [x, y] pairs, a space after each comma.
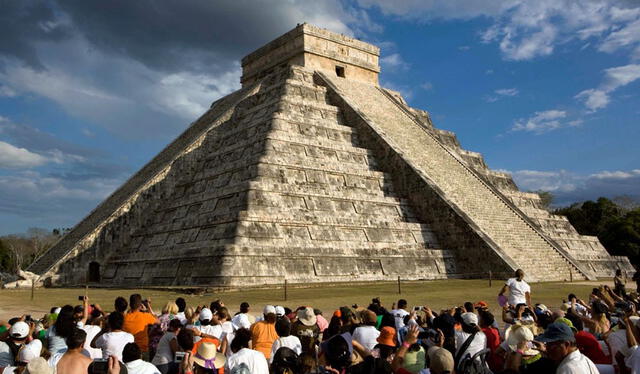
{"points": [[596, 335]]}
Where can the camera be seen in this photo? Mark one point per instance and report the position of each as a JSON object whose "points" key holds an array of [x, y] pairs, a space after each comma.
{"points": [[179, 356], [81, 298], [99, 366], [417, 308]]}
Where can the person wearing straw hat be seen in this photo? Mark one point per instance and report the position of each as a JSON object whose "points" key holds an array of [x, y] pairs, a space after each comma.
{"points": [[254, 360], [204, 358], [306, 329]]}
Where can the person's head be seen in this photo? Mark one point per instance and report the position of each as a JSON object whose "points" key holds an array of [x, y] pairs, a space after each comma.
{"points": [[369, 318], [181, 304], [207, 359], [485, 318], [244, 307], [19, 331], [308, 363], [559, 341], [285, 361], [185, 339], [469, 322], [131, 352], [65, 323], [618, 273], [216, 305], [440, 361], [116, 321], [283, 327], [241, 340], [190, 314], [76, 339], [170, 308], [519, 274], [468, 307], [223, 314], [402, 304], [338, 351], [120, 305], [269, 313], [175, 325], [205, 317], [135, 301], [78, 312]]}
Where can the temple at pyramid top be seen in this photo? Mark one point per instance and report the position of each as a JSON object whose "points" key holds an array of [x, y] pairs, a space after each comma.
{"points": [[317, 49]]}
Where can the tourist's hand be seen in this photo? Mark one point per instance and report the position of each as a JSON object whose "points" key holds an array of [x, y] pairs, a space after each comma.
{"points": [[440, 340], [114, 365], [427, 311], [187, 363], [196, 332], [412, 335]]}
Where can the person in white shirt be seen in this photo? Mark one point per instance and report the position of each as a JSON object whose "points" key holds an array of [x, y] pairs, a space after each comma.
{"points": [[182, 305], [167, 347], [112, 339], [519, 290], [561, 348], [254, 360], [400, 313], [209, 326], [367, 334], [132, 358], [285, 339], [469, 327]]}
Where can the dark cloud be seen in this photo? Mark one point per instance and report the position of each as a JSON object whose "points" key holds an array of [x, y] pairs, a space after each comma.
{"points": [[25, 23]]}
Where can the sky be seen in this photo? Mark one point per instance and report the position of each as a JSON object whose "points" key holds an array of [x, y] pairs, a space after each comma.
{"points": [[90, 91]]}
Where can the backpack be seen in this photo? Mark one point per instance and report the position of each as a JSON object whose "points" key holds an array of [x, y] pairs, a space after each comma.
{"points": [[476, 364]]}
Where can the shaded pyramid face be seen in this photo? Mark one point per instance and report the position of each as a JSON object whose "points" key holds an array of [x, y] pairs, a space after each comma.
{"points": [[315, 174]]}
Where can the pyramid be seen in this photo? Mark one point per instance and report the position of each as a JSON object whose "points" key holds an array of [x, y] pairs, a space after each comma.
{"points": [[312, 172]]}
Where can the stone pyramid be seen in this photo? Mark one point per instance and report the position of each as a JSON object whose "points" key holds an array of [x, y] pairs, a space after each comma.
{"points": [[312, 172]]}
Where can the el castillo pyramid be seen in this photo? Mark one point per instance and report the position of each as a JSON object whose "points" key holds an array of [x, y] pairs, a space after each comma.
{"points": [[312, 172]]}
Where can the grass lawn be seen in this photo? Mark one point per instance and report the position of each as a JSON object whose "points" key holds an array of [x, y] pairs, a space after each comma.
{"points": [[327, 297]]}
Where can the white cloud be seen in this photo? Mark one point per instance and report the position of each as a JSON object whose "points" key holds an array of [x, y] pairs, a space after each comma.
{"points": [[427, 86], [541, 122], [394, 62], [507, 91], [12, 157], [464, 48], [6, 91], [569, 187], [598, 98], [488, 71]]}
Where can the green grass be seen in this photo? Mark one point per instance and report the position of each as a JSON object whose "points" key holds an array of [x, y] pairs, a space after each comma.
{"points": [[327, 297]]}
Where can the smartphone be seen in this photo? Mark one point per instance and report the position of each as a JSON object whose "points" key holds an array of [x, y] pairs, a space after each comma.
{"points": [[179, 356], [417, 308], [99, 366], [81, 298]]}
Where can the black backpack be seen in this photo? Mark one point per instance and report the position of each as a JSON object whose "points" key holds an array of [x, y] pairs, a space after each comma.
{"points": [[476, 364]]}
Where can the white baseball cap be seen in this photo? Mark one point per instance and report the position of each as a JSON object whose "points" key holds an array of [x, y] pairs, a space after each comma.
{"points": [[279, 310], [469, 318], [240, 321], [205, 314], [19, 330], [269, 309]]}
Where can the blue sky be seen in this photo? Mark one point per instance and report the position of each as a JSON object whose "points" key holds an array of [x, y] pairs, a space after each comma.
{"points": [[90, 91]]}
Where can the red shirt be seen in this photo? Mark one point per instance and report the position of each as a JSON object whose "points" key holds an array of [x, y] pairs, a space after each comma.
{"points": [[589, 346], [493, 341]]}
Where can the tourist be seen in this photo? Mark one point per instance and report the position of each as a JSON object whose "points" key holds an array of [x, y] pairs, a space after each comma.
{"points": [[285, 361], [182, 305], [619, 283], [137, 320], [120, 305], [486, 323], [132, 358], [209, 326], [74, 361], [400, 313], [470, 340], [112, 339], [367, 334], [285, 339], [65, 324], [519, 290], [320, 320], [244, 313], [263, 333], [205, 360], [254, 360], [306, 329], [560, 345], [18, 334], [167, 347]]}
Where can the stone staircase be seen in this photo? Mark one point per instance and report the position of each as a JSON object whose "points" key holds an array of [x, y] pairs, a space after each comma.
{"points": [[496, 217]]}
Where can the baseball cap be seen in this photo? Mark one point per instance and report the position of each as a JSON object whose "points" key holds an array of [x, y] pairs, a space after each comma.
{"points": [[567, 322], [279, 310], [19, 330], [205, 314], [469, 318], [441, 360], [269, 309], [555, 332], [240, 321]]}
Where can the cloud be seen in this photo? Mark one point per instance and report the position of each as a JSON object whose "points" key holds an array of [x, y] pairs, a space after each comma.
{"points": [[488, 71], [464, 48], [6, 91], [524, 30], [541, 122], [427, 86], [598, 98], [394, 62], [569, 187], [12, 157], [507, 91]]}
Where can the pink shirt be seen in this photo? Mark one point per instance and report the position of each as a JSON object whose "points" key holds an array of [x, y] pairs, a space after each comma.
{"points": [[322, 323]]}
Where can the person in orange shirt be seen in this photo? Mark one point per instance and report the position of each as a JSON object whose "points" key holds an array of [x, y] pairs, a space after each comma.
{"points": [[263, 333], [138, 319]]}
